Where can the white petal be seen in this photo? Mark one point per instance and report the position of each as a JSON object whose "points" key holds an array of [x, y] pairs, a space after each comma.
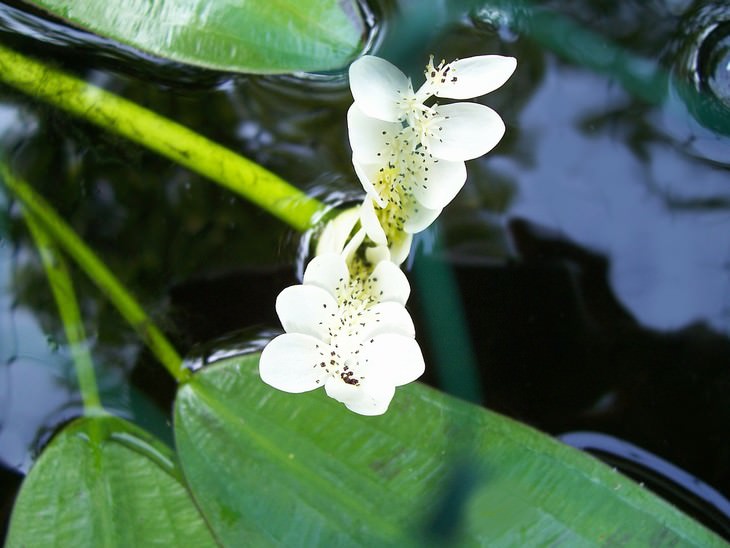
{"points": [[377, 86], [390, 283], [396, 357], [388, 317], [337, 231], [476, 76], [367, 173], [440, 184], [377, 253], [468, 131], [353, 245], [289, 363], [369, 221], [400, 247], [306, 309], [419, 218], [327, 271], [367, 398], [368, 136]]}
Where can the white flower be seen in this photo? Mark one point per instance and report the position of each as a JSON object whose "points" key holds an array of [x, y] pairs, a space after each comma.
{"points": [[339, 236], [350, 334], [399, 175], [394, 246], [409, 156], [337, 232], [456, 132]]}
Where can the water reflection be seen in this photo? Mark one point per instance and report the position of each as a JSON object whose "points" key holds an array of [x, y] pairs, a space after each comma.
{"points": [[715, 67], [602, 187], [35, 388], [605, 173], [234, 343], [696, 113], [699, 63]]}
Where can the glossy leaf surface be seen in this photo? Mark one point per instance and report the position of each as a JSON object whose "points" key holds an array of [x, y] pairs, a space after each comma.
{"points": [[259, 36], [104, 482], [284, 469]]}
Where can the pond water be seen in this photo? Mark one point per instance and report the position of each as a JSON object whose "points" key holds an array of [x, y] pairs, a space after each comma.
{"points": [[587, 260]]}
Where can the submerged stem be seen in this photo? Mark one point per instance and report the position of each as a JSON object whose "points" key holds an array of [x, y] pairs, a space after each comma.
{"points": [[65, 297], [162, 135], [122, 299]]}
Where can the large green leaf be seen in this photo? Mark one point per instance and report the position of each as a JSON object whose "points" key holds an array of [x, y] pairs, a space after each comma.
{"points": [[104, 482], [274, 468], [260, 36]]}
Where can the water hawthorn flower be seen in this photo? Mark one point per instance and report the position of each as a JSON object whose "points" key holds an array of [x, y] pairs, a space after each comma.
{"points": [[346, 326], [347, 232], [348, 332], [410, 155]]}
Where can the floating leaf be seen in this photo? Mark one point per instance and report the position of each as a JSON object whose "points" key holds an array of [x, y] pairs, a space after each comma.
{"points": [[273, 468], [104, 482], [258, 36]]}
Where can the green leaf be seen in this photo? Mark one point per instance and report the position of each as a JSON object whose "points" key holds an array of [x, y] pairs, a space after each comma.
{"points": [[259, 36], [105, 482], [273, 468]]}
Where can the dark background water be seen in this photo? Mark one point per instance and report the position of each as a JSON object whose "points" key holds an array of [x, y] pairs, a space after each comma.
{"points": [[587, 257]]}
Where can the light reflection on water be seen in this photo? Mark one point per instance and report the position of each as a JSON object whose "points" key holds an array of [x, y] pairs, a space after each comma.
{"points": [[32, 392], [583, 179]]}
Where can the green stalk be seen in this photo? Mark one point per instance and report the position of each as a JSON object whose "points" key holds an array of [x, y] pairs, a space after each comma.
{"points": [[52, 223], [65, 297], [164, 136], [457, 369]]}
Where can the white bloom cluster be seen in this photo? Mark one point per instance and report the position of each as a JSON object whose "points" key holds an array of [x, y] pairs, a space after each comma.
{"points": [[348, 333], [347, 327], [410, 156]]}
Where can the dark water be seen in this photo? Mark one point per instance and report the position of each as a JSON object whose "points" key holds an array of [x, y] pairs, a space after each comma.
{"points": [[587, 257]]}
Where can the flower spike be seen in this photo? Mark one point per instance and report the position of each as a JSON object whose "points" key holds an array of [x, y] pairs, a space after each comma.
{"points": [[346, 325], [351, 335]]}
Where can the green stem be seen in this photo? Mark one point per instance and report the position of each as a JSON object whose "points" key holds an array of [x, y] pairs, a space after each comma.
{"points": [[164, 136], [98, 272], [448, 331], [65, 296]]}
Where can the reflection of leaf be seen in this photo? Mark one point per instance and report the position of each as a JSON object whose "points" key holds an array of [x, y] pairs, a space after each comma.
{"points": [[261, 36], [300, 469], [104, 482]]}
